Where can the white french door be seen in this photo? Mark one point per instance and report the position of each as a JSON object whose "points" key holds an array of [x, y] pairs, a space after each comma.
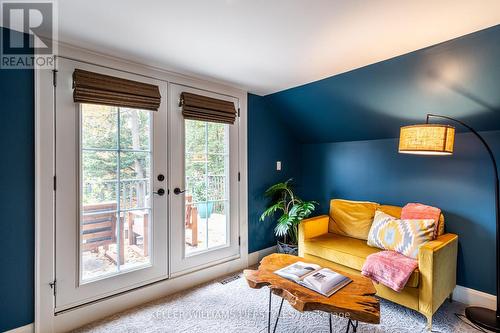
{"points": [[141, 195], [111, 213], [204, 189]]}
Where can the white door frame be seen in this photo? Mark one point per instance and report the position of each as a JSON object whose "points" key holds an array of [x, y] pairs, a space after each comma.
{"points": [[45, 318]]}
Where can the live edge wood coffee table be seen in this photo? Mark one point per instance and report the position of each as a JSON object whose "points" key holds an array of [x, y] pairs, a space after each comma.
{"points": [[355, 302]]}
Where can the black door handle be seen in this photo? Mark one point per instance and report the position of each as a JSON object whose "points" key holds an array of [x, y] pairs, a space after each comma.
{"points": [[178, 191], [160, 192]]}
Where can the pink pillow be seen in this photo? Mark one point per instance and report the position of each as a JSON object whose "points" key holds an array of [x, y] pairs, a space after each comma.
{"points": [[419, 211]]}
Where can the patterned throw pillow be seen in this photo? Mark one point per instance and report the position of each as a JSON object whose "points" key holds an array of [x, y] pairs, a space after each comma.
{"points": [[403, 236]]}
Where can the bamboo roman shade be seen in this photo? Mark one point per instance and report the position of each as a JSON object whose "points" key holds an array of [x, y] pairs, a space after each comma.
{"points": [[95, 88], [197, 107]]}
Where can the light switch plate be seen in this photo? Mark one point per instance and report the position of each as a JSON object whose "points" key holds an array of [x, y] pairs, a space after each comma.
{"points": [[278, 165]]}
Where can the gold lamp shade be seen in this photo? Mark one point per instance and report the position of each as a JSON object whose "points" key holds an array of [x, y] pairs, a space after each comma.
{"points": [[427, 139]]}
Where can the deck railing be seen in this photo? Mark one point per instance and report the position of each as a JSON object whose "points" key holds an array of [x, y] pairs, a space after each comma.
{"points": [[133, 192], [136, 192]]}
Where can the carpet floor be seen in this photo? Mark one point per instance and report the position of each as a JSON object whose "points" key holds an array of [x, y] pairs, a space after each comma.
{"points": [[234, 307]]}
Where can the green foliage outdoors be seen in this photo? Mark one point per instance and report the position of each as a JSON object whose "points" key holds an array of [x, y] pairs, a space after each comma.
{"points": [[99, 168], [292, 210], [206, 159], [206, 156]]}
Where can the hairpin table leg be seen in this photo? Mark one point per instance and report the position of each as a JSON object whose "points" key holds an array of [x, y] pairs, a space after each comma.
{"points": [[269, 313], [278, 317], [354, 324]]}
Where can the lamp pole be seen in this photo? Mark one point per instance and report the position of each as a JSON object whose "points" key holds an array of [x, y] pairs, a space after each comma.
{"points": [[480, 316]]}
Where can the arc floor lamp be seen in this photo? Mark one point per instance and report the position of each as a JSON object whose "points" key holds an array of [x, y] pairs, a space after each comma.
{"points": [[438, 139]]}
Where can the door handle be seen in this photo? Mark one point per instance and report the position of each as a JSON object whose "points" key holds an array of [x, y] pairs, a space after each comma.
{"points": [[160, 192], [178, 191]]}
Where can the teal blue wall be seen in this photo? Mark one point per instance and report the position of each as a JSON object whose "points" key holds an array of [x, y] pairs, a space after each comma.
{"points": [[16, 198], [268, 141], [461, 185]]}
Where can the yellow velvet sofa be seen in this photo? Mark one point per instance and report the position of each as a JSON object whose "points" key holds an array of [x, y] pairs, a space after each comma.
{"points": [[340, 238]]}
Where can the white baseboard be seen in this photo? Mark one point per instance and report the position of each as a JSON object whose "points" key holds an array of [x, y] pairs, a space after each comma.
{"points": [[474, 297], [30, 328], [255, 257]]}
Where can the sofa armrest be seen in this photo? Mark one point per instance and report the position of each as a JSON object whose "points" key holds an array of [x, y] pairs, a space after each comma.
{"points": [[312, 227], [437, 263]]}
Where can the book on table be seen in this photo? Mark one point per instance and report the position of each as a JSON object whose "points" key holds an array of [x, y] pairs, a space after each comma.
{"points": [[312, 276]]}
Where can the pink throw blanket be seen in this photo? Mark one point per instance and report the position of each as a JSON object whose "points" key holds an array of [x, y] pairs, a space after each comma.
{"points": [[389, 268], [419, 211]]}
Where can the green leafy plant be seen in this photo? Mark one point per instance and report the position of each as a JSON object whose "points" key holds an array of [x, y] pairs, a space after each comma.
{"points": [[292, 210]]}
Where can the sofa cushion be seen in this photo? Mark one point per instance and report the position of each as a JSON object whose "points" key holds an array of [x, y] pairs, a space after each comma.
{"points": [[351, 218], [396, 212], [347, 251]]}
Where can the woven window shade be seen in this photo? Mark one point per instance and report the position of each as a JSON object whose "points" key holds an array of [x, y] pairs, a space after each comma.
{"points": [[197, 107], [94, 88]]}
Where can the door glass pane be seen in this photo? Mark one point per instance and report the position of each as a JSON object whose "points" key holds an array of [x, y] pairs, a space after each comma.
{"points": [[137, 247], [99, 127], [134, 129], [207, 194], [217, 138], [99, 178], [98, 240], [115, 187], [134, 180]]}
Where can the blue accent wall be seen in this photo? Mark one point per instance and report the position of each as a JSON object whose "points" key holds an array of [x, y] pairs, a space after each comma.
{"points": [[461, 185], [16, 198], [268, 141]]}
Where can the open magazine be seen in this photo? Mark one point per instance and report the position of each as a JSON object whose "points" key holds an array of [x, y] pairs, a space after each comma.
{"points": [[321, 280]]}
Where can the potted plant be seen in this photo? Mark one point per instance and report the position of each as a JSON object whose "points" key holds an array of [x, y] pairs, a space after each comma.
{"points": [[292, 210], [199, 191]]}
